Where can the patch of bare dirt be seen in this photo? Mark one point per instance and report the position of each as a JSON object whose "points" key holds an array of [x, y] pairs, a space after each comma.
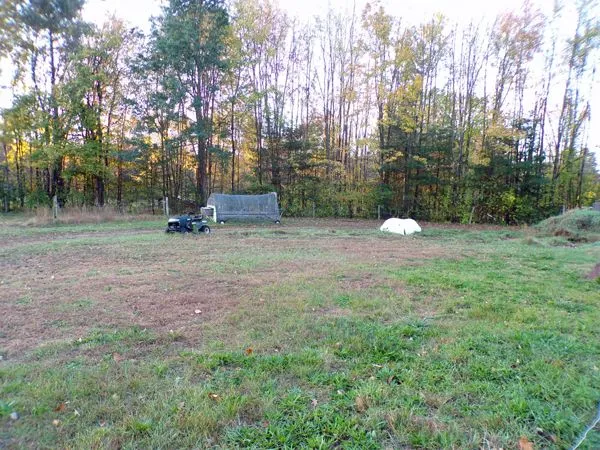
{"points": [[178, 283], [595, 273], [66, 306], [357, 282], [431, 424], [332, 311]]}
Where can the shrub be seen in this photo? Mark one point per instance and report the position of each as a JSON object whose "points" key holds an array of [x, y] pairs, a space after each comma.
{"points": [[578, 225]]}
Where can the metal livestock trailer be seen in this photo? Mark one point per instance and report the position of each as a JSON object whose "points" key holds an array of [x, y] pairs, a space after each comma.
{"points": [[224, 207]]}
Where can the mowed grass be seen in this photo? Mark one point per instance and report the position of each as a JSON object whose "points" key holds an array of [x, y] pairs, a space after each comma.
{"points": [[319, 337]]}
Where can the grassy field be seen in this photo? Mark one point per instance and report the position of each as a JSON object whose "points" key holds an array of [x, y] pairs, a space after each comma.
{"points": [[316, 334]]}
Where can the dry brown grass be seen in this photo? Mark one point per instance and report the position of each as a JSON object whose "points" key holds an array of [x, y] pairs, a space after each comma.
{"points": [[80, 216], [59, 286]]}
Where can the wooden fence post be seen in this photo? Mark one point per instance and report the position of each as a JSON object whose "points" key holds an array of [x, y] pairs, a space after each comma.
{"points": [[55, 207]]}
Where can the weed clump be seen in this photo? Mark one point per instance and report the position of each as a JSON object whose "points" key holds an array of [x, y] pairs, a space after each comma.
{"points": [[579, 225], [595, 274]]}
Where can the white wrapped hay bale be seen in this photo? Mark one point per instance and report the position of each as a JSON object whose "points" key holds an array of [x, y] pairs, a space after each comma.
{"points": [[401, 226]]}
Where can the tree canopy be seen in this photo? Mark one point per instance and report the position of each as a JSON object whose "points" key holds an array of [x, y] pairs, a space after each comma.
{"points": [[343, 115]]}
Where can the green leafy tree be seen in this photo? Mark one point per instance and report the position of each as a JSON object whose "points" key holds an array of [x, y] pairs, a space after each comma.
{"points": [[190, 37], [51, 30], [96, 92]]}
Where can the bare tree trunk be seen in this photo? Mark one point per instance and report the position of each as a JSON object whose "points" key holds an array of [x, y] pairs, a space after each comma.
{"points": [[6, 205], [57, 183], [578, 196], [233, 154]]}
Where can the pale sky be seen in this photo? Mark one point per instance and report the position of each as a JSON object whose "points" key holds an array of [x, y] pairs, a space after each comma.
{"points": [[138, 13]]}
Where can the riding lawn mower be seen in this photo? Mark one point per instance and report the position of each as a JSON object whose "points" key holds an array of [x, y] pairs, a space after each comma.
{"points": [[188, 223]]}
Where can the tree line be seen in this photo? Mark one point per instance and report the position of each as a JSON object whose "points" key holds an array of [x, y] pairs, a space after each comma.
{"points": [[338, 115]]}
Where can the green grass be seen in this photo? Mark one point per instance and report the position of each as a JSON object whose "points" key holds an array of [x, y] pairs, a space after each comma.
{"points": [[490, 340]]}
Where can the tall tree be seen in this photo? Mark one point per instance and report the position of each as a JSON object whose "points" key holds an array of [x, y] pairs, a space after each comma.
{"points": [[190, 37], [8, 26], [97, 94], [575, 109], [51, 33]]}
